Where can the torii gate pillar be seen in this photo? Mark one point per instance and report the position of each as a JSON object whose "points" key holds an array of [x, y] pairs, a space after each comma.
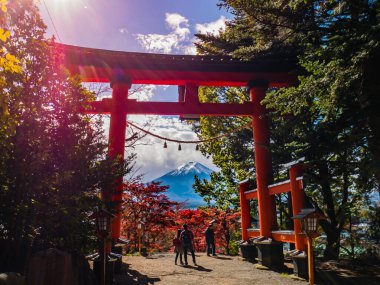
{"points": [[263, 160], [245, 211], [118, 122]]}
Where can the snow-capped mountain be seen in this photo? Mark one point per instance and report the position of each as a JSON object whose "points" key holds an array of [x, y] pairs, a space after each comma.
{"points": [[190, 168], [180, 181]]}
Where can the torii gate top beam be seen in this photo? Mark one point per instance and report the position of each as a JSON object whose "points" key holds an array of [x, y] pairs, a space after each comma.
{"points": [[97, 65]]}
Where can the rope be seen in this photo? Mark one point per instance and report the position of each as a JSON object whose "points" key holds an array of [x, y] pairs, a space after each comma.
{"points": [[195, 142], [51, 19]]}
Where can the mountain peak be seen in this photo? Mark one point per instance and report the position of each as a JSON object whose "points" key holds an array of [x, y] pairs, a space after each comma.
{"points": [[181, 180], [191, 167]]}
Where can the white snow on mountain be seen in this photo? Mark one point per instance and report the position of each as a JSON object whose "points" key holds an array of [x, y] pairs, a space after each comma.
{"points": [[191, 167]]}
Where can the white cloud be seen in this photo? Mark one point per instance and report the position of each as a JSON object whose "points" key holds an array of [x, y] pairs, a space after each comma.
{"points": [[123, 30], [143, 92], [212, 27], [167, 43], [178, 39], [179, 25], [191, 50], [158, 43]]}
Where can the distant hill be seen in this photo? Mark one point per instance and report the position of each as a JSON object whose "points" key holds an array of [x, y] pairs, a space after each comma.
{"points": [[180, 181]]}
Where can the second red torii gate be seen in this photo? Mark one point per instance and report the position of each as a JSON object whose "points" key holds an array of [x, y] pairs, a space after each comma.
{"points": [[122, 69]]}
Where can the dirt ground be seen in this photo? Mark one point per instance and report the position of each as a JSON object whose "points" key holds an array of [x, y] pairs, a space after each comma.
{"points": [[230, 270], [221, 270], [349, 272]]}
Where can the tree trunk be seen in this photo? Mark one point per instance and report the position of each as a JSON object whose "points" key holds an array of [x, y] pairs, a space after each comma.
{"points": [[331, 228], [333, 240], [332, 247]]}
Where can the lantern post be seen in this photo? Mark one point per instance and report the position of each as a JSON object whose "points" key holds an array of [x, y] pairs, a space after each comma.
{"points": [[103, 220], [309, 225]]}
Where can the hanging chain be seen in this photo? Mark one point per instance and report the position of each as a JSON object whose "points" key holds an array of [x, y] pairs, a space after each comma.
{"points": [[248, 126]]}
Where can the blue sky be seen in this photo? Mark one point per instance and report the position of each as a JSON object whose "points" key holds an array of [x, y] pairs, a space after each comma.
{"points": [[120, 24], [156, 26]]}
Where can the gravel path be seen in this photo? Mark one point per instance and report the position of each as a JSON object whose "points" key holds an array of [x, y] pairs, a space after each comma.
{"points": [[221, 270]]}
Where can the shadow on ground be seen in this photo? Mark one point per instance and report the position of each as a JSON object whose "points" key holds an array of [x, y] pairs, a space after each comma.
{"points": [[222, 258], [133, 277], [339, 272], [199, 268], [349, 272]]}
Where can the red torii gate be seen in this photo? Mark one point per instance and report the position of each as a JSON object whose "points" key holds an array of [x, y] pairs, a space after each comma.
{"points": [[122, 69]]}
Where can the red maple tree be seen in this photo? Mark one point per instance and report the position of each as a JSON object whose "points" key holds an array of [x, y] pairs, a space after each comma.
{"points": [[225, 222], [147, 204]]}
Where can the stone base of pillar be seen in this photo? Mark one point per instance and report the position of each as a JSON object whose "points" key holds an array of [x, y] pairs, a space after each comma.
{"points": [[117, 253], [118, 262], [300, 266], [110, 269], [270, 254], [118, 248], [144, 251], [248, 252]]}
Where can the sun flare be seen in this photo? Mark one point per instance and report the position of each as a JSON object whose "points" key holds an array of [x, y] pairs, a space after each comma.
{"points": [[62, 2], [64, 5]]}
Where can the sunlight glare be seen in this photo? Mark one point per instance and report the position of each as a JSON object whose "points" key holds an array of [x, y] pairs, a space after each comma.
{"points": [[65, 5], [62, 2]]}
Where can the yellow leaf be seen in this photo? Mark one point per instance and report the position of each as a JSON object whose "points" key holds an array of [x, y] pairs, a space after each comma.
{"points": [[4, 34], [4, 5], [4, 8]]}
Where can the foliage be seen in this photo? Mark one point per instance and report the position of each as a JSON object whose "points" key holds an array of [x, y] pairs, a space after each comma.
{"points": [[259, 29], [332, 113], [53, 162], [8, 62], [374, 224], [147, 204], [225, 226]]}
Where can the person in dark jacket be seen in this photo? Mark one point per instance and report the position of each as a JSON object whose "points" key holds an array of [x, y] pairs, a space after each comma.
{"points": [[210, 240], [187, 237]]}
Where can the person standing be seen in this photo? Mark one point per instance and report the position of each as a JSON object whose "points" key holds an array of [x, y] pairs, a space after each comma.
{"points": [[178, 247], [210, 240], [187, 238]]}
